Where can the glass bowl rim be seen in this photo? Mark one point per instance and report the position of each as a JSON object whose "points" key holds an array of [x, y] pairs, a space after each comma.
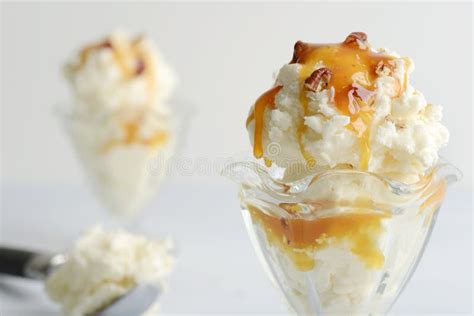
{"points": [[442, 169]]}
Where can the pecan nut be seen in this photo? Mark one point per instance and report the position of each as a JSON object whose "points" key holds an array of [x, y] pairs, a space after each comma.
{"points": [[105, 44], [318, 80], [298, 51], [284, 223], [139, 67], [291, 208], [355, 38], [383, 69]]}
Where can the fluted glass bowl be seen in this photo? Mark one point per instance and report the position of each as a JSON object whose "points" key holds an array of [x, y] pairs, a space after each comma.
{"points": [[339, 241], [126, 154]]}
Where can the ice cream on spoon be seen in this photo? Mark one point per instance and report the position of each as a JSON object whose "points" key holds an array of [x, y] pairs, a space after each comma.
{"points": [[106, 273], [105, 265]]}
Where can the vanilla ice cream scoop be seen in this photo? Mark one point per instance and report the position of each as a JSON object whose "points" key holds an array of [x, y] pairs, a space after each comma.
{"points": [[347, 105], [119, 71]]}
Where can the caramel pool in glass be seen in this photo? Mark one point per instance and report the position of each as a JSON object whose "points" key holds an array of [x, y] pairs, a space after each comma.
{"points": [[297, 236]]}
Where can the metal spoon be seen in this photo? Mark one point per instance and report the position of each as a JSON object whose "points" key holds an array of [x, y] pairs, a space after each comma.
{"points": [[38, 266]]}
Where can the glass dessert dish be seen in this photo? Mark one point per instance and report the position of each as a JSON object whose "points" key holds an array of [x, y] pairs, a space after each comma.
{"points": [[124, 163], [339, 241], [124, 170], [349, 185]]}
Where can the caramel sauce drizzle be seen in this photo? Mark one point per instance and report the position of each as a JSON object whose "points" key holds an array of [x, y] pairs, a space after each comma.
{"points": [[352, 98], [257, 114], [132, 136], [124, 52], [297, 236], [133, 60]]}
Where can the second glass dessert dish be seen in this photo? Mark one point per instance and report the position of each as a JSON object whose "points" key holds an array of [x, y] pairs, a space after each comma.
{"points": [[119, 120], [345, 184]]}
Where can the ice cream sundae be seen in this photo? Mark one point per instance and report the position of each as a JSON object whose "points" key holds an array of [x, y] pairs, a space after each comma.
{"points": [[120, 121], [342, 200]]}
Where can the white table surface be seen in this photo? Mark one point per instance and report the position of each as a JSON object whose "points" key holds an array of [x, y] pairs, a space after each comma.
{"points": [[217, 271]]}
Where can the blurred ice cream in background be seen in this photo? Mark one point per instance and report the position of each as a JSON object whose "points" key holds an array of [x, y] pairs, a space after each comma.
{"points": [[119, 119]]}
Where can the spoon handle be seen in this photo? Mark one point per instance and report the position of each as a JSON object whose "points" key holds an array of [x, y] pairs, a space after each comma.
{"points": [[15, 261]]}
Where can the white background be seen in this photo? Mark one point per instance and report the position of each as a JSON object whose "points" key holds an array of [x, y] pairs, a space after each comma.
{"points": [[225, 55]]}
